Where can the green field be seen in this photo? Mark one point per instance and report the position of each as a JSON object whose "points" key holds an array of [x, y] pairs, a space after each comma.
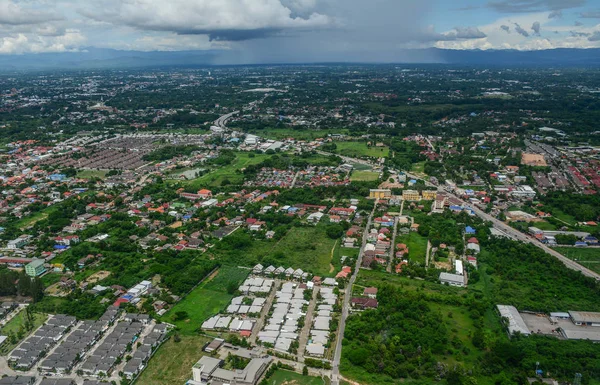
{"points": [[418, 167], [89, 174], [172, 363], [16, 324], [208, 299], [301, 134], [417, 246], [285, 377], [307, 248], [360, 149], [588, 257], [231, 172], [364, 176]]}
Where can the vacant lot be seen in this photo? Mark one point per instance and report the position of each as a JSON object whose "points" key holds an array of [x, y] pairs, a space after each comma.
{"points": [[16, 326], [284, 377], [364, 176], [588, 257], [360, 149], [208, 299], [172, 363], [231, 172], [417, 246]]}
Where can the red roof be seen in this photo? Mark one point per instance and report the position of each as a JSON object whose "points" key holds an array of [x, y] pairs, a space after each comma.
{"points": [[473, 240]]}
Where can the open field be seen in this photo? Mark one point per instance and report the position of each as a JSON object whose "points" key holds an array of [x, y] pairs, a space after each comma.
{"points": [[89, 174], [285, 377], [206, 300], [418, 167], [364, 176], [231, 172], [15, 325], [301, 134], [172, 363], [417, 246], [360, 149], [307, 248], [588, 257]]}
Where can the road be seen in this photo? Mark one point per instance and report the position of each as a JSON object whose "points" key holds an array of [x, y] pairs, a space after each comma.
{"points": [[304, 333], [335, 372], [263, 315], [222, 121]]}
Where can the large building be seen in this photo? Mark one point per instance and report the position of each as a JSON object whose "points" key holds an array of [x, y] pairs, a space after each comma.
{"points": [[429, 195], [35, 268], [411, 195], [585, 318], [209, 370], [452, 279], [380, 194]]}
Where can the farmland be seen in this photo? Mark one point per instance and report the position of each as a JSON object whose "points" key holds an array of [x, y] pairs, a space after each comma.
{"points": [[210, 297]]}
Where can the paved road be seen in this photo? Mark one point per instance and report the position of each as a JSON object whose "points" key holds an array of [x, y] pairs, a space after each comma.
{"points": [[222, 121], [335, 372], [263, 315], [304, 333]]}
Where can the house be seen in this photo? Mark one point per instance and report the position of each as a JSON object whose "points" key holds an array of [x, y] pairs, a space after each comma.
{"points": [[364, 303], [469, 230], [370, 292], [19, 242], [474, 247], [205, 194]]}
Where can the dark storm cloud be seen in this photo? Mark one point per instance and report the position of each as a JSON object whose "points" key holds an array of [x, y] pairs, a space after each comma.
{"points": [[595, 36], [590, 15], [520, 30], [520, 6], [555, 15], [536, 27], [505, 28]]}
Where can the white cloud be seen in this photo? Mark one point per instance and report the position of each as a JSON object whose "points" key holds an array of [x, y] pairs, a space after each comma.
{"points": [[21, 43], [14, 13], [221, 20]]}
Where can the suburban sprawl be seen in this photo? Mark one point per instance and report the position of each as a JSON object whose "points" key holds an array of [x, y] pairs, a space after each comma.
{"points": [[300, 225]]}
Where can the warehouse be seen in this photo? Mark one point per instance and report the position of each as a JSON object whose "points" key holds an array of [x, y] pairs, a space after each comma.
{"points": [[582, 318], [516, 324]]}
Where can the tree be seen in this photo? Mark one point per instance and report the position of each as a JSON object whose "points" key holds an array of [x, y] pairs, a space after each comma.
{"points": [[305, 371]]}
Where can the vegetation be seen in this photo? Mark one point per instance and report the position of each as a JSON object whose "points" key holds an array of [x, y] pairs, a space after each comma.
{"points": [[210, 297]]}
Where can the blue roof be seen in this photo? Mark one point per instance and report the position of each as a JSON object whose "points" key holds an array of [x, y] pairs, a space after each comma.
{"points": [[454, 207], [470, 230], [60, 247]]}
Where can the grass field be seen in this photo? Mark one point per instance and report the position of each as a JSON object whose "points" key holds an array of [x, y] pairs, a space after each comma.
{"points": [[588, 257], [230, 172], [31, 220], [284, 377], [209, 298], [307, 248], [15, 324], [360, 149], [417, 246], [89, 174], [172, 363], [303, 134], [364, 176], [418, 167]]}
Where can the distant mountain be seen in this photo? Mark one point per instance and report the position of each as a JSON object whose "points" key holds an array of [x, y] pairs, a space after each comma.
{"points": [[94, 58]]}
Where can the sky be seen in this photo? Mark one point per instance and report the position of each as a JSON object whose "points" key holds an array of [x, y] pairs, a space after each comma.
{"points": [[297, 30]]}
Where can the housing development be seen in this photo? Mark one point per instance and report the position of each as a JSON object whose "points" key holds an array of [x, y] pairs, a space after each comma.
{"points": [[300, 225]]}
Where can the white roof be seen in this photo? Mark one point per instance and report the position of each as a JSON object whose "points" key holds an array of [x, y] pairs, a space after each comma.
{"points": [[515, 321], [316, 349]]}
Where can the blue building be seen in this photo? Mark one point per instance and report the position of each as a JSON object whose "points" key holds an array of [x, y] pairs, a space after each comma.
{"points": [[469, 230]]}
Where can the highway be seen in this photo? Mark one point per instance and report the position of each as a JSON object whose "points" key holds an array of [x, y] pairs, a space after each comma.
{"points": [[335, 372], [222, 121]]}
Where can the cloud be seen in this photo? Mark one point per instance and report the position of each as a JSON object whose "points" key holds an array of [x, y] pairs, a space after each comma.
{"points": [[13, 13], [520, 30], [536, 28], [523, 6], [555, 15], [590, 15], [232, 20], [460, 33], [578, 23], [21, 43], [505, 28], [595, 36]]}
